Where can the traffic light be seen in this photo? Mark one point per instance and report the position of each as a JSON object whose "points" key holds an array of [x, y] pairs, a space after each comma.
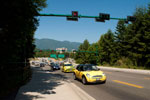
{"points": [[52, 50], [74, 16], [126, 21], [74, 13], [104, 16], [99, 20], [131, 18], [72, 19]]}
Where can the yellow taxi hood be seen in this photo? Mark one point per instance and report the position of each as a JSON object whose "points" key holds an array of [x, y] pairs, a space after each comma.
{"points": [[93, 72]]}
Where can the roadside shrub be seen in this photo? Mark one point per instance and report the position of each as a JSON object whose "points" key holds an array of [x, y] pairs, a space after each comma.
{"points": [[105, 63], [125, 62]]}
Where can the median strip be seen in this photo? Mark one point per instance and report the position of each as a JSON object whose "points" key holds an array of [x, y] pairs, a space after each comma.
{"points": [[133, 85]]}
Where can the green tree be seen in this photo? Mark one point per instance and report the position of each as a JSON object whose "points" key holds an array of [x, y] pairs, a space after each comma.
{"points": [[107, 53], [92, 56], [85, 45], [120, 34], [17, 27], [138, 38], [81, 55]]}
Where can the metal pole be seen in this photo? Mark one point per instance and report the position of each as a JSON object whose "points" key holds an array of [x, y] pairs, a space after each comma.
{"points": [[79, 16]]}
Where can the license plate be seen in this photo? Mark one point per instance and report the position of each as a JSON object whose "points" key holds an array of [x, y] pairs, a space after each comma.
{"points": [[97, 79]]}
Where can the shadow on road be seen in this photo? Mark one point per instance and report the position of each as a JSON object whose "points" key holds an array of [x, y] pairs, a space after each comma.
{"points": [[42, 83]]}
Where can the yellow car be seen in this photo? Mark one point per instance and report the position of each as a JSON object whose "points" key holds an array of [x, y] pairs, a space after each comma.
{"points": [[89, 73], [67, 67]]}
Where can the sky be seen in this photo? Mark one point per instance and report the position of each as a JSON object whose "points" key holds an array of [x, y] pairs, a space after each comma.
{"points": [[58, 28]]}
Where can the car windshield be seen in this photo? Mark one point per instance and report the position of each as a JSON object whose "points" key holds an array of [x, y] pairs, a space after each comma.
{"points": [[90, 68], [68, 64], [56, 64]]}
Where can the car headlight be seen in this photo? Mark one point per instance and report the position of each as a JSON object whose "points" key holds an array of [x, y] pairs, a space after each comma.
{"points": [[88, 75]]}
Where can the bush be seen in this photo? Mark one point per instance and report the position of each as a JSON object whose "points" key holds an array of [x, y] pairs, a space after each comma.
{"points": [[124, 62]]}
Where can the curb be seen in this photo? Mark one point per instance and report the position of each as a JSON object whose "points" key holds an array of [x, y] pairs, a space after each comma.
{"points": [[137, 71], [82, 94]]}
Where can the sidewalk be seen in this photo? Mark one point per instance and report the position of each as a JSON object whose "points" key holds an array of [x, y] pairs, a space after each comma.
{"points": [[47, 85]]}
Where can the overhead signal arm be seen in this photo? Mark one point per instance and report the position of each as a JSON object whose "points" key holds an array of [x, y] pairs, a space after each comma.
{"points": [[101, 18]]}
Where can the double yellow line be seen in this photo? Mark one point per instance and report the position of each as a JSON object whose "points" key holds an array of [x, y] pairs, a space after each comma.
{"points": [[129, 84]]}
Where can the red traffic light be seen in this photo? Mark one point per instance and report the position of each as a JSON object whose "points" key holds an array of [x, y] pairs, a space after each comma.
{"points": [[52, 50], [74, 14]]}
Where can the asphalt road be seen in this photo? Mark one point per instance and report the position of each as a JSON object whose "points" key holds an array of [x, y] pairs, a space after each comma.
{"points": [[119, 86]]}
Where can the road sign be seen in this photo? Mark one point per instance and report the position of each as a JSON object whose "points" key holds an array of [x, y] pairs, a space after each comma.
{"points": [[61, 56], [53, 56]]}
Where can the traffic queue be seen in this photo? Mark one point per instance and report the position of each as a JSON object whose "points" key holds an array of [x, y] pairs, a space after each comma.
{"points": [[87, 73]]}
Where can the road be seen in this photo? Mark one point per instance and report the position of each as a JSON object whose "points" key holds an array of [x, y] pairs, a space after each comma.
{"points": [[119, 86]]}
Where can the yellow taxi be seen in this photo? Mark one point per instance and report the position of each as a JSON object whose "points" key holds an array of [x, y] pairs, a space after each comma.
{"points": [[89, 73], [67, 67]]}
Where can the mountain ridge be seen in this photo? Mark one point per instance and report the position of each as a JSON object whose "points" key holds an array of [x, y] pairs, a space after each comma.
{"points": [[46, 43]]}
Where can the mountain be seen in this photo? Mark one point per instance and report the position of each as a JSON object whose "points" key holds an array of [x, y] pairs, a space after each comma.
{"points": [[53, 44]]}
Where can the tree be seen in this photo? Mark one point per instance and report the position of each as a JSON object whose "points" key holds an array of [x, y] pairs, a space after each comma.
{"points": [[81, 55], [92, 56], [106, 48], [17, 27], [138, 38], [85, 45], [120, 34]]}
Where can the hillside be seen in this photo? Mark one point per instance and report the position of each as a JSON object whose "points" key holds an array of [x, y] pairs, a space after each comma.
{"points": [[53, 44]]}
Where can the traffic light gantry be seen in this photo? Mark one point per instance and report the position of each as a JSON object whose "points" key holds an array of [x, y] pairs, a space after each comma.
{"points": [[101, 18]]}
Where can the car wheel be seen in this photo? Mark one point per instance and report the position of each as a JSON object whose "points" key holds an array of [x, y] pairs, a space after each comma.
{"points": [[84, 81], [74, 76]]}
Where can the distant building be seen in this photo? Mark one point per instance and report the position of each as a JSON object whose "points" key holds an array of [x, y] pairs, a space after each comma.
{"points": [[61, 50]]}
